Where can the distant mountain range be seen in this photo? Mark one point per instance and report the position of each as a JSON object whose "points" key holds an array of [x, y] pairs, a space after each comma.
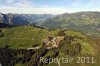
{"points": [[87, 22], [23, 19]]}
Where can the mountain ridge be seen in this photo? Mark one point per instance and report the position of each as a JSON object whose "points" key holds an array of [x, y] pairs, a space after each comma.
{"points": [[23, 19], [87, 22]]}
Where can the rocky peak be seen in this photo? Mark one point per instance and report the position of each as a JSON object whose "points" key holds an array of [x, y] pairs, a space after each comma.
{"points": [[10, 17], [1, 18]]}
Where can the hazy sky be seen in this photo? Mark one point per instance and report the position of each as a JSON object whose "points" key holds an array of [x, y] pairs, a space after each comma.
{"points": [[48, 6]]}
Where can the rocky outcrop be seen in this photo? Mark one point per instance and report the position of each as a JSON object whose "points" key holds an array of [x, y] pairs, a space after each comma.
{"points": [[10, 17], [53, 43], [1, 18]]}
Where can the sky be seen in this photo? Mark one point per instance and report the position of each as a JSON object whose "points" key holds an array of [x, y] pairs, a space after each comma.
{"points": [[48, 6]]}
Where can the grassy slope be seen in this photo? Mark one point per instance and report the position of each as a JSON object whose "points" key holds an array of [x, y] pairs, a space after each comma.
{"points": [[26, 36]]}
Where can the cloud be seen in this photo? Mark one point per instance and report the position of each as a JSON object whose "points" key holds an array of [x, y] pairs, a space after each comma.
{"points": [[33, 10], [46, 10], [10, 1], [17, 3], [32, 7], [28, 7]]}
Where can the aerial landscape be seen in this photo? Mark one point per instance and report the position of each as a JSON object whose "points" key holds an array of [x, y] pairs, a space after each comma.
{"points": [[49, 33]]}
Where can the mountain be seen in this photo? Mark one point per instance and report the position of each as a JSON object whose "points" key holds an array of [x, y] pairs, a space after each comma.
{"points": [[24, 19], [24, 45], [26, 38], [87, 22]]}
